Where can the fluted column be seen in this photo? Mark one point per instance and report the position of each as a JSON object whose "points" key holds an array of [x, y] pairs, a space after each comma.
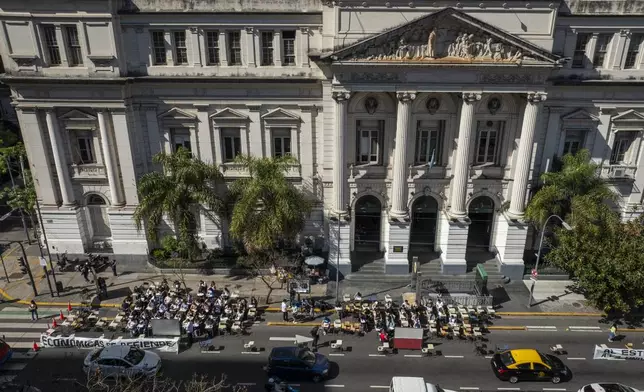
{"points": [[461, 163], [524, 154], [60, 159], [399, 186], [341, 99], [110, 162]]}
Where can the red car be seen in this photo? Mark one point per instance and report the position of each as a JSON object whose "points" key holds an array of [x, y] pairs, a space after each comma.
{"points": [[5, 352]]}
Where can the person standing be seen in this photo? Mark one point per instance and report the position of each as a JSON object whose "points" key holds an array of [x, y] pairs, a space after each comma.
{"points": [[612, 333], [85, 272], [190, 329], [315, 334], [33, 308], [284, 311], [113, 266]]}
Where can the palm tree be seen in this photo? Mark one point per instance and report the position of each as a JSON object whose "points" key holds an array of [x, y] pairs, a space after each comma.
{"points": [[186, 188], [577, 178], [267, 206]]}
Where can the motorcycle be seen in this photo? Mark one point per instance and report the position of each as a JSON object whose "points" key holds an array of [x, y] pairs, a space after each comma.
{"points": [[274, 384]]}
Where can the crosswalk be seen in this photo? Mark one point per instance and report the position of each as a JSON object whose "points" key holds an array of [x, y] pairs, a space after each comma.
{"points": [[20, 332]]}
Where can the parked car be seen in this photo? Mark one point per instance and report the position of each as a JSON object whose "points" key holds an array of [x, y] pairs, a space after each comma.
{"points": [[607, 387], [297, 362], [529, 365], [413, 384], [5, 352], [122, 361]]}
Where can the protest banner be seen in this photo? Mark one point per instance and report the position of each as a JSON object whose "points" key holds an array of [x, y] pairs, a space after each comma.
{"points": [[603, 352], [160, 344]]}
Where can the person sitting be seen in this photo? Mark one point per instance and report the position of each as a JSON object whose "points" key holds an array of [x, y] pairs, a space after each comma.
{"points": [[453, 321]]}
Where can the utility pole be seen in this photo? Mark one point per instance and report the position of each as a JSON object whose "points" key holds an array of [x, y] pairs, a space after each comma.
{"points": [[24, 256]]}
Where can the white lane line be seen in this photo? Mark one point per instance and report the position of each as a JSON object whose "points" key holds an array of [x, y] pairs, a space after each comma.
{"points": [[488, 357], [379, 386], [413, 356], [333, 386], [508, 389], [377, 355], [576, 359], [554, 389], [278, 339], [454, 356], [211, 352], [251, 352], [336, 355], [583, 327], [469, 388]]}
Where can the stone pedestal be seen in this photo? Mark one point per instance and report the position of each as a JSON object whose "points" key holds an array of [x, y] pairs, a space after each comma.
{"points": [[65, 229], [339, 245], [453, 256], [510, 240], [396, 257], [126, 240]]}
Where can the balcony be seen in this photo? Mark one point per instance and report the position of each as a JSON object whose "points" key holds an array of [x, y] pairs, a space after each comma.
{"points": [[236, 170], [88, 172], [617, 172]]}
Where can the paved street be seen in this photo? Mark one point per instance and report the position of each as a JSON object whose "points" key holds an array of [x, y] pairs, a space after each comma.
{"points": [[362, 368]]}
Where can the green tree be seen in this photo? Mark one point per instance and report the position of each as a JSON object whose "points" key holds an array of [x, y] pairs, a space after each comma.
{"points": [[605, 255], [577, 177], [186, 188]]}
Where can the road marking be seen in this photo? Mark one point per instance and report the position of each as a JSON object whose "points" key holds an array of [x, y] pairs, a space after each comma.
{"points": [[10, 335], [334, 386], [336, 355], [251, 352], [488, 357], [379, 386], [576, 359], [278, 339], [584, 329], [554, 389], [454, 356], [508, 389], [541, 328], [469, 388], [211, 352], [413, 356], [377, 355]]}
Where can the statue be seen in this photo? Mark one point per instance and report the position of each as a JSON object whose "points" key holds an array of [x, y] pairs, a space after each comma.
{"points": [[431, 45]]}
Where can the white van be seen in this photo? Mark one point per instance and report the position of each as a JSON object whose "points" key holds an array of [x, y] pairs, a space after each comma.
{"points": [[413, 384]]}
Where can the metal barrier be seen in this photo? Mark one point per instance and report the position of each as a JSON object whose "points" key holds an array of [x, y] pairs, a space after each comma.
{"points": [[462, 299]]}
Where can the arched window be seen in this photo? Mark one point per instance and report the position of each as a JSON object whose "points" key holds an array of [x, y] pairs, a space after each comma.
{"points": [[95, 200]]}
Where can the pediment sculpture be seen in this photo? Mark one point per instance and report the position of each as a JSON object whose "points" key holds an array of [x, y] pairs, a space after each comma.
{"points": [[440, 45]]}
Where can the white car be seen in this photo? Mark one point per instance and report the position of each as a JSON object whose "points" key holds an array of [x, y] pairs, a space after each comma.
{"points": [[413, 384], [126, 361], [607, 387]]}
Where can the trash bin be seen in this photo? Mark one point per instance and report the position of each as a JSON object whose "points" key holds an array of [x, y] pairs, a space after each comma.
{"points": [[59, 287]]}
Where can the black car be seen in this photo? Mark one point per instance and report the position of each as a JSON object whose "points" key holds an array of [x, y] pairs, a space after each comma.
{"points": [[529, 365], [297, 363]]}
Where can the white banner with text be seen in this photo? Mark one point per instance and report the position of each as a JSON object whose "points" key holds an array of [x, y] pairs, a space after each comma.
{"points": [[168, 345], [603, 352]]}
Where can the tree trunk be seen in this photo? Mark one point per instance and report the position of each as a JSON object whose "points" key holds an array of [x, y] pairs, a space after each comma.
{"points": [[268, 296]]}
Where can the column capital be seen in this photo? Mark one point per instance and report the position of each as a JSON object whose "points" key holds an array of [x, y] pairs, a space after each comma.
{"points": [[406, 96], [471, 97], [625, 33], [249, 30], [536, 98], [341, 96], [254, 107], [201, 107]]}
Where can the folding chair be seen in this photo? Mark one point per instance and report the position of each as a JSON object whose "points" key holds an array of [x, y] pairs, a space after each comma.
{"points": [[336, 345]]}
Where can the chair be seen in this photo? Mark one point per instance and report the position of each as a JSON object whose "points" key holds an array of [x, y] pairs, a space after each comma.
{"points": [[346, 298], [388, 299], [236, 327], [384, 348], [557, 349], [249, 346], [490, 310], [337, 345], [337, 325], [429, 350]]}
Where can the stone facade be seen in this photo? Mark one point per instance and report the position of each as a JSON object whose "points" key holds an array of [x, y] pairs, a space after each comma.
{"points": [[417, 127]]}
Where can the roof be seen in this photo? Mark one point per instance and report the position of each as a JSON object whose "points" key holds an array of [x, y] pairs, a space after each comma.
{"points": [[408, 384], [410, 43], [525, 355], [115, 351], [283, 352]]}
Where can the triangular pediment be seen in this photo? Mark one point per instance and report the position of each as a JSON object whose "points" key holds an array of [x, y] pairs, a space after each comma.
{"points": [[448, 36], [229, 114], [178, 114], [629, 116], [580, 115], [280, 114], [77, 115]]}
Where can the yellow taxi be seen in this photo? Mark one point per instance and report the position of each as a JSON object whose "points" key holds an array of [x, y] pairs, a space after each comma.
{"points": [[529, 365]]}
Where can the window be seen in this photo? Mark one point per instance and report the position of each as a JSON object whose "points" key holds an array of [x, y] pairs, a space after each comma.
{"points": [[368, 141], [620, 148], [574, 141], [83, 147], [231, 143], [212, 43], [633, 51], [234, 48], [428, 142], [540, 367], [158, 48], [487, 141], [281, 142], [601, 48], [51, 43], [73, 46], [288, 47], [579, 56], [267, 48], [181, 139], [524, 366], [180, 49]]}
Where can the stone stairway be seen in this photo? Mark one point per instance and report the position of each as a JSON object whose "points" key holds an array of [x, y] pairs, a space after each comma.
{"points": [[432, 270], [374, 272]]}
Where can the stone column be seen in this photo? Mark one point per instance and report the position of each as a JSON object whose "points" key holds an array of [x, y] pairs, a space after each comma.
{"points": [[339, 165], [462, 160], [110, 165], [60, 159], [524, 154], [399, 186]]}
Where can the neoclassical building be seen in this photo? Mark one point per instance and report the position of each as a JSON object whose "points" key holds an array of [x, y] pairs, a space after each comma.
{"points": [[420, 128]]}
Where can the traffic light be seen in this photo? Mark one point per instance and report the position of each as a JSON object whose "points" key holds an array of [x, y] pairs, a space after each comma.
{"points": [[23, 265]]}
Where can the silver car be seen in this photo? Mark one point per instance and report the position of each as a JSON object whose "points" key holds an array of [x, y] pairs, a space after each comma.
{"points": [[122, 361]]}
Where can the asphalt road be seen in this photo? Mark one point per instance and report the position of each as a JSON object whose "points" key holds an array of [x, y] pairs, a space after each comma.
{"points": [[361, 368]]}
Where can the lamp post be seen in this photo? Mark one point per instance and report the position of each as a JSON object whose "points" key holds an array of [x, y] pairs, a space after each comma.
{"points": [[536, 266], [337, 259], [24, 256]]}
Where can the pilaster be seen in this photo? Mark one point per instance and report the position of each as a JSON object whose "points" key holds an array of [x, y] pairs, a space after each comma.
{"points": [[154, 135], [110, 161], [550, 142], [453, 255], [255, 133], [123, 146], [339, 165], [251, 50], [196, 49], [60, 159], [205, 134], [307, 137], [303, 38]]}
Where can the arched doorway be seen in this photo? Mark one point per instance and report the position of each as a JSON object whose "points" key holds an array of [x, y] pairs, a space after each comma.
{"points": [[422, 233], [98, 220], [367, 224], [481, 214]]}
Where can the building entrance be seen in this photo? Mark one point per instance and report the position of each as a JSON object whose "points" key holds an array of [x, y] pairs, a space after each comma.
{"points": [[481, 214], [368, 222]]}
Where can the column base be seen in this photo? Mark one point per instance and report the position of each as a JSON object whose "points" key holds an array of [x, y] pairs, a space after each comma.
{"points": [[510, 240], [397, 254], [454, 248], [65, 229], [339, 249]]}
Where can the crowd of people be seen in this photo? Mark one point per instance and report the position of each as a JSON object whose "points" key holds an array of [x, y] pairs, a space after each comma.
{"points": [[208, 312]]}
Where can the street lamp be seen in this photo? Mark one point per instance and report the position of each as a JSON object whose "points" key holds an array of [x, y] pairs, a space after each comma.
{"points": [[337, 260], [536, 266]]}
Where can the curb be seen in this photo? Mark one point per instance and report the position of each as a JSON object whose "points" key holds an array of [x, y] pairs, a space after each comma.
{"points": [[44, 303], [630, 329], [551, 314], [287, 324]]}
